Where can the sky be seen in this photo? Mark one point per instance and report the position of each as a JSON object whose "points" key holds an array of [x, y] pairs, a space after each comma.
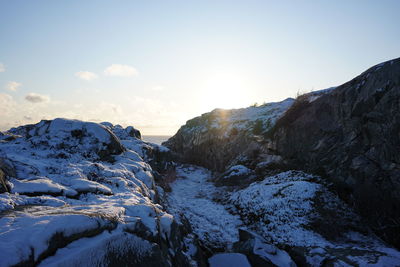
{"points": [[156, 64]]}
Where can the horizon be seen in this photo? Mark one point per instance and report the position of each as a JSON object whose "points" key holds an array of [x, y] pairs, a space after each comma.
{"points": [[155, 65]]}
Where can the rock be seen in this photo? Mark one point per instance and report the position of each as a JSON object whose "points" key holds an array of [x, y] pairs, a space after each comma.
{"points": [[7, 167], [214, 139], [3, 182], [351, 136], [81, 194], [70, 135], [237, 175], [122, 133], [259, 252], [6, 171], [298, 213]]}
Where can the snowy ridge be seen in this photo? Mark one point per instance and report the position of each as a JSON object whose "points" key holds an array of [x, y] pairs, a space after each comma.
{"points": [[72, 184], [243, 119]]}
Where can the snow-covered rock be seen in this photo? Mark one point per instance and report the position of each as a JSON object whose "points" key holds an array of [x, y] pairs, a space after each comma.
{"points": [[80, 193], [214, 139], [296, 211], [236, 175], [347, 134], [259, 252]]}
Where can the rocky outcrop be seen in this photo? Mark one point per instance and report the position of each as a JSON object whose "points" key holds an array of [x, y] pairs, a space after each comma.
{"points": [[77, 193], [351, 136], [297, 212], [348, 135], [214, 139]]}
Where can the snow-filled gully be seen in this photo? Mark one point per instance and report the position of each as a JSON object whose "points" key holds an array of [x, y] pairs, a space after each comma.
{"points": [[192, 196]]}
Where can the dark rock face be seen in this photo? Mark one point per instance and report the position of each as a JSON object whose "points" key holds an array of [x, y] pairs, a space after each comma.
{"points": [[351, 135], [6, 170]]}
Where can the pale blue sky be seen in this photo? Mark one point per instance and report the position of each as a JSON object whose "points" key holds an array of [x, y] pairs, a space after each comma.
{"points": [[183, 58]]}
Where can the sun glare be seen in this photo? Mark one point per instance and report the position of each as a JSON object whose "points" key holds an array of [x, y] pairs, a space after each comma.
{"points": [[224, 90]]}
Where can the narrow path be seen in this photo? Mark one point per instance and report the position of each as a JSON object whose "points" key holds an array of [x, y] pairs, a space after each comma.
{"points": [[192, 197]]}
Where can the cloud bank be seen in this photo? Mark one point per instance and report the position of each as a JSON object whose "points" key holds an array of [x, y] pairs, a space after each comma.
{"points": [[2, 67]]}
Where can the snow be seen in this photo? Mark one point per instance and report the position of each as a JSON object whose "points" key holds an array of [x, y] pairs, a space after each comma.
{"points": [[60, 127], [38, 186], [30, 231], [314, 95], [94, 251], [281, 208], [83, 185], [166, 222], [284, 207], [229, 260], [63, 188], [192, 198], [237, 170], [244, 119], [276, 256]]}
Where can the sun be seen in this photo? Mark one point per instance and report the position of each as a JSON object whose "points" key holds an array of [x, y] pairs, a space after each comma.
{"points": [[225, 90]]}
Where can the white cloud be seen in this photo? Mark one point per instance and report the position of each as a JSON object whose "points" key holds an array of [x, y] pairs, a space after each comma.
{"points": [[86, 75], [12, 86], [120, 70], [37, 98], [2, 67]]}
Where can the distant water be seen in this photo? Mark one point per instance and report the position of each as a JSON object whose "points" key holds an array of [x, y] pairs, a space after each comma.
{"points": [[156, 139]]}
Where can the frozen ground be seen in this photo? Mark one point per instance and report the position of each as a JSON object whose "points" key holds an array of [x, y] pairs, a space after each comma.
{"points": [[192, 197]]}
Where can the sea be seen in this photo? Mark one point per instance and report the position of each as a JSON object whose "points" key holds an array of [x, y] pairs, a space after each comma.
{"points": [[156, 139]]}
